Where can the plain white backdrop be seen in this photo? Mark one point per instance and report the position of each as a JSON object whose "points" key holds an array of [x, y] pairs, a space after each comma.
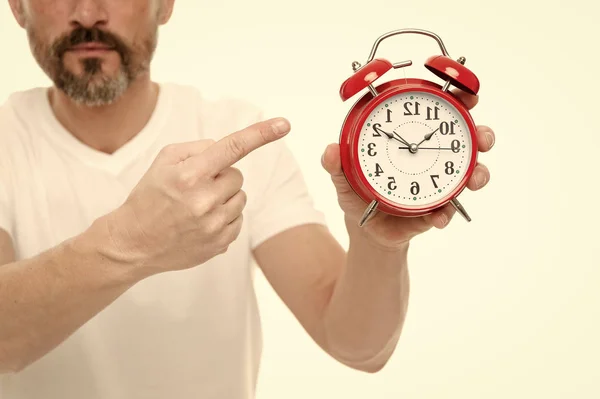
{"points": [[507, 306]]}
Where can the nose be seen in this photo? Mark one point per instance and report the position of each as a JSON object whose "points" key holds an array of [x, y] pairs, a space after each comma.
{"points": [[89, 13]]}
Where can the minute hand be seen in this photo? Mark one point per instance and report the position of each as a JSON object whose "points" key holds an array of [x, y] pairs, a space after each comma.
{"points": [[390, 135], [401, 139], [427, 137]]}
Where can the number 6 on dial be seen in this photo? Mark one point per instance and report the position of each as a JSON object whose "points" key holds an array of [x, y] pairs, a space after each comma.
{"points": [[408, 146]]}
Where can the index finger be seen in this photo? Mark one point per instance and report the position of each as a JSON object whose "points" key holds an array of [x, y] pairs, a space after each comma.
{"points": [[232, 148]]}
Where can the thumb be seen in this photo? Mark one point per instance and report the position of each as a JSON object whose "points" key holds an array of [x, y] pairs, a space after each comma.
{"points": [[331, 160], [332, 163]]}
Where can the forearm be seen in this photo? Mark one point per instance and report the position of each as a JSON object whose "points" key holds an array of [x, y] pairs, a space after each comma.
{"points": [[366, 312], [44, 299]]}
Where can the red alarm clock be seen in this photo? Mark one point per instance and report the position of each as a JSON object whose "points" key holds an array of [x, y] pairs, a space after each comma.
{"points": [[408, 146]]}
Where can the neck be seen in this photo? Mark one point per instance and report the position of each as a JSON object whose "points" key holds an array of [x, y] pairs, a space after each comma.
{"points": [[107, 128]]}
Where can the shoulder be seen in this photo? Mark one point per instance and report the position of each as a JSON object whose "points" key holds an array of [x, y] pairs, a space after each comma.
{"points": [[17, 116], [21, 104], [17, 113]]}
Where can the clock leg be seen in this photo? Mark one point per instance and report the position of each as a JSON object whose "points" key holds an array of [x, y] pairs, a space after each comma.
{"points": [[460, 209], [368, 212]]}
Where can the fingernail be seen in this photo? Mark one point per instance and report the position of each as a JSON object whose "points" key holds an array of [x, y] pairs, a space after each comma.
{"points": [[490, 139], [280, 126], [444, 219], [480, 179], [324, 155]]}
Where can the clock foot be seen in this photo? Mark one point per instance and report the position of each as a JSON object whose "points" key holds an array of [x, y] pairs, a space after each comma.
{"points": [[460, 209], [368, 212]]}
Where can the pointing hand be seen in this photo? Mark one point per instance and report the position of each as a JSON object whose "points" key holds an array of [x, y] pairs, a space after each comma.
{"points": [[188, 206]]}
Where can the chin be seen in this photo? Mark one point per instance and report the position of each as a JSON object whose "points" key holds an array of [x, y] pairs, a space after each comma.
{"points": [[94, 91]]}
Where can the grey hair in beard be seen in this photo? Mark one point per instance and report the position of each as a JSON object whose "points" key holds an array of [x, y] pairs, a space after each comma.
{"points": [[91, 88]]}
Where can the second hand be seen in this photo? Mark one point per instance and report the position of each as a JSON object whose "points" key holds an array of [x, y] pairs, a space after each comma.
{"points": [[427, 148]]}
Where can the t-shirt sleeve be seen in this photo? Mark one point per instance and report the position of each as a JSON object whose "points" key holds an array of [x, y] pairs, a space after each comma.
{"points": [[283, 200]]}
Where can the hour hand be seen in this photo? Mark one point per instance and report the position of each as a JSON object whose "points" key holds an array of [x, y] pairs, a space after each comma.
{"points": [[428, 137]]}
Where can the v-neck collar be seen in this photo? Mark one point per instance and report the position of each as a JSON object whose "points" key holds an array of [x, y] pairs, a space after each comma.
{"points": [[113, 163]]}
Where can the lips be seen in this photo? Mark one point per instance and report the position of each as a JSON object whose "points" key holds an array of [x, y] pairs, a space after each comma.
{"points": [[91, 47]]}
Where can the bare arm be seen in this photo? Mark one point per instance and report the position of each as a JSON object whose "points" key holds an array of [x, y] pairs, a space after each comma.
{"points": [[43, 300], [352, 304], [185, 210]]}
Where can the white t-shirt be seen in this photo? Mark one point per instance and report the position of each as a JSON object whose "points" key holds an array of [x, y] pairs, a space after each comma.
{"points": [[190, 334]]}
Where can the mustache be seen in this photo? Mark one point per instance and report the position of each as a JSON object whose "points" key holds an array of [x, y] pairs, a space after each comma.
{"points": [[83, 35]]}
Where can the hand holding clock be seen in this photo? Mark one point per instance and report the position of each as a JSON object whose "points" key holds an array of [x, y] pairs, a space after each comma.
{"points": [[389, 231]]}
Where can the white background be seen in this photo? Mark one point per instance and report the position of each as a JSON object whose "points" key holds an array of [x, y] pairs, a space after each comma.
{"points": [[507, 306]]}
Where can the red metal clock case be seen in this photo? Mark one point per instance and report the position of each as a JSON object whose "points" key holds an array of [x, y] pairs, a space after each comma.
{"points": [[356, 119]]}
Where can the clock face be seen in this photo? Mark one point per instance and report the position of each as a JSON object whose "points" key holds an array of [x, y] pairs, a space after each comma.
{"points": [[414, 148]]}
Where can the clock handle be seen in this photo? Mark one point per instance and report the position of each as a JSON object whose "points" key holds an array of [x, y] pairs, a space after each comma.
{"points": [[368, 212], [401, 31]]}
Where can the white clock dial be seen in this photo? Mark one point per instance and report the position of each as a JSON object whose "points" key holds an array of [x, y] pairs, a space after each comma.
{"points": [[427, 154]]}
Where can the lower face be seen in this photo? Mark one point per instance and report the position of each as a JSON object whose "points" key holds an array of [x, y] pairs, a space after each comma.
{"points": [[92, 66], [408, 169]]}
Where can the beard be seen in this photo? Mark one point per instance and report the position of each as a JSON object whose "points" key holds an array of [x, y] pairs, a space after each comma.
{"points": [[93, 87]]}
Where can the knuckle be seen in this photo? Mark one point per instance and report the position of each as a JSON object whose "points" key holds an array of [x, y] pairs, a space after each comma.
{"points": [[229, 238], [184, 180], [212, 199], [213, 226], [169, 150], [266, 131], [233, 177], [203, 205], [243, 199], [238, 225], [239, 177], [235, 171], [223, 249], [198, 208], [240, 222], [225, 240], [236, 147]]}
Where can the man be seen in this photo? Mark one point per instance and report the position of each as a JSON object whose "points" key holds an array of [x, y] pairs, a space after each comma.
{"points": [[126, 239]]}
